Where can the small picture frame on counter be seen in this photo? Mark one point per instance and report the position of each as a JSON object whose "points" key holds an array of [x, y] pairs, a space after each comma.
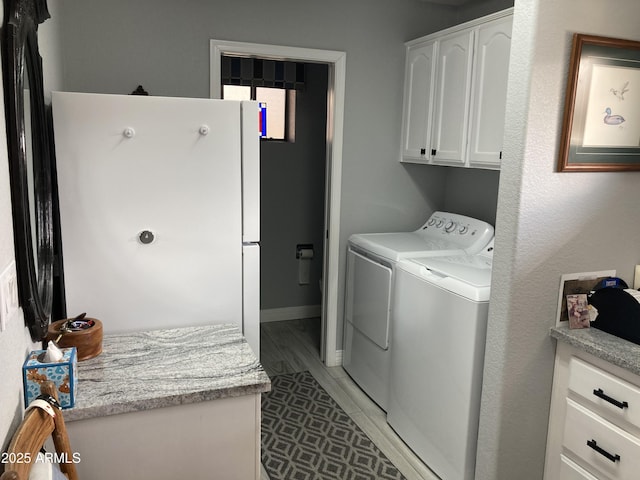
{"points": [[574, 284], [578, 311]]}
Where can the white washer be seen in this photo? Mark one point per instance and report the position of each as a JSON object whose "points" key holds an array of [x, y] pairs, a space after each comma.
{"points": [[440, 323], [371, 260]]}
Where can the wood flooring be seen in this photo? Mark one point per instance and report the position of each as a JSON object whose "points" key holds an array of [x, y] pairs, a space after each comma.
{"points": [[293, 346]]}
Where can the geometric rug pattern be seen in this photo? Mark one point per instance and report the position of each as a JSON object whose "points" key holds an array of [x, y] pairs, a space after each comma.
{"points": [[307, 436]]}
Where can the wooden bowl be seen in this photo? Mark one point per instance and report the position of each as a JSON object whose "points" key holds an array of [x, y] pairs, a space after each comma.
{"points": [[88, 342]]}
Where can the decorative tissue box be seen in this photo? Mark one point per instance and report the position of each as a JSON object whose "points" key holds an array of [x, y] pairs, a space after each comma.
{"points": [[64, 374]]}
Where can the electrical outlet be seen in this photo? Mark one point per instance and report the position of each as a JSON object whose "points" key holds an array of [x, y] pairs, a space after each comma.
{"points": [[8, 294], [636, 278]]}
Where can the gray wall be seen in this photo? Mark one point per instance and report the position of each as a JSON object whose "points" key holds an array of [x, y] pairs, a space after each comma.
{"points": [[111, 47], [292, 179], [472, 192], [478, 8], [548, 223]]}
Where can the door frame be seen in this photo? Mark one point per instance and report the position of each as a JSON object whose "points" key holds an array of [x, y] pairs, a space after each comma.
{"points": [[335, 123]]}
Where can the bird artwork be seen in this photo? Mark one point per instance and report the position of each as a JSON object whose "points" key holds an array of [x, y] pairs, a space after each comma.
{"points": [[612, 119], [619, 93]]}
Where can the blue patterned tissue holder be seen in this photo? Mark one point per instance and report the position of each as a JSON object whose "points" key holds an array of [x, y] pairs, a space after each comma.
{"points": [[64, 374]]}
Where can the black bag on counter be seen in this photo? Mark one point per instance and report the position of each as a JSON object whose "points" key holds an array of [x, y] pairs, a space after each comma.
{"points": [[618, 313]]}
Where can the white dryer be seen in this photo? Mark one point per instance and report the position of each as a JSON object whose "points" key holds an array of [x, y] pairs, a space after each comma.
{"points": [[371, 260], [437, 357]]}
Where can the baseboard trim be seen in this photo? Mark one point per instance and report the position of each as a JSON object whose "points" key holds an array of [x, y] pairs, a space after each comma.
{"points": [[289, 313]]}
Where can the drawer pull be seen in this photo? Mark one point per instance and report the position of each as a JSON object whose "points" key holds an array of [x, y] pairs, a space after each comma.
{"points": [[600, 394], [602, 451]]}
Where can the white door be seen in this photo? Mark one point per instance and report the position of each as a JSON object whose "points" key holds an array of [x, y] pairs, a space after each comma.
{"points": [[489, 99], [453, 88], [418, 103], [166, 166]]}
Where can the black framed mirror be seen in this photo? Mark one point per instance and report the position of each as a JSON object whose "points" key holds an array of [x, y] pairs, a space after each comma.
{"points": [[29, 151]]}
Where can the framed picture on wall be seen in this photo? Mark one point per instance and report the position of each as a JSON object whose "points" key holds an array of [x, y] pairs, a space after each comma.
{"points": [[601, 126]]}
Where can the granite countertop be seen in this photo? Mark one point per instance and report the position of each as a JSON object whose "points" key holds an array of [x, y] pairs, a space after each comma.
{"points": [[160, 368], [603, 345]]}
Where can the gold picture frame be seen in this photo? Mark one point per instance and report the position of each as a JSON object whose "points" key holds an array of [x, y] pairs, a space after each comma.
{"points": [[601, 126]]}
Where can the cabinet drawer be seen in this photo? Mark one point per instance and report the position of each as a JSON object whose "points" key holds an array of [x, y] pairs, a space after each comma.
{"points": [[571, 471], [600, 444], [618, 398]]}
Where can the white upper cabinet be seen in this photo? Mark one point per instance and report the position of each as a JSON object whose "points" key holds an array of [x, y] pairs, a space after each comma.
{"points": [[489, 97], [418, 102], [455, 94], [453, 90]]}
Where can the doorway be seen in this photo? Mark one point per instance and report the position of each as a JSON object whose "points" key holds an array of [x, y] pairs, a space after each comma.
{"points": [[336, 62]]}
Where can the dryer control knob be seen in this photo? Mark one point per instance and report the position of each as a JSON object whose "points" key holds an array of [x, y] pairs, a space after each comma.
{"points": [[463, 229], [450, 227]]}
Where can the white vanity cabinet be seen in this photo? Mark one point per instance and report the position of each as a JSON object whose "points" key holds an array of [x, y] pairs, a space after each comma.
{"points": [[455, 94], [594, 421], [165, 404]]}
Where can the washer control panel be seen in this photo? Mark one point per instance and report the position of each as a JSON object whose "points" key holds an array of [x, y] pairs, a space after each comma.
{"points": [[470, 233]]}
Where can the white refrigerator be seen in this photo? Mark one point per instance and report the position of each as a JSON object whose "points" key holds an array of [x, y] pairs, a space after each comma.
{"points": [[159, 210]]}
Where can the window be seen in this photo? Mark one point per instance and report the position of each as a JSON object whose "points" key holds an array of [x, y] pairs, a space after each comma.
{"points": [[272, 82], [236, 92], [280, 108], [275, 100]]}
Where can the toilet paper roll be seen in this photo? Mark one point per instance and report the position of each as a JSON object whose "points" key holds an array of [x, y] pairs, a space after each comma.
{"points": [[305, 253]]}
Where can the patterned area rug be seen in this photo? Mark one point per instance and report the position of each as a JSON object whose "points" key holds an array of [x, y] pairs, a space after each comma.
{"points": [[307, 436]]}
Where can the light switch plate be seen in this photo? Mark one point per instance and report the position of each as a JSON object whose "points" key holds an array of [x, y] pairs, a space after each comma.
{"points": [[8, 294], [636, 278]]}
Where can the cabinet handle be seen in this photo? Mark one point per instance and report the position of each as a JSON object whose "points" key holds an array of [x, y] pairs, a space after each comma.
{"points": [[600, 394], [500, 155], [433, 152], [592, 443], [423, 151]]}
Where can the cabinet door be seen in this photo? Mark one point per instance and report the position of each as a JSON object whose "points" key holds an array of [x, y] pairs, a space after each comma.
{"points": [[489, 98], [453, 91], [418, 103]]}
